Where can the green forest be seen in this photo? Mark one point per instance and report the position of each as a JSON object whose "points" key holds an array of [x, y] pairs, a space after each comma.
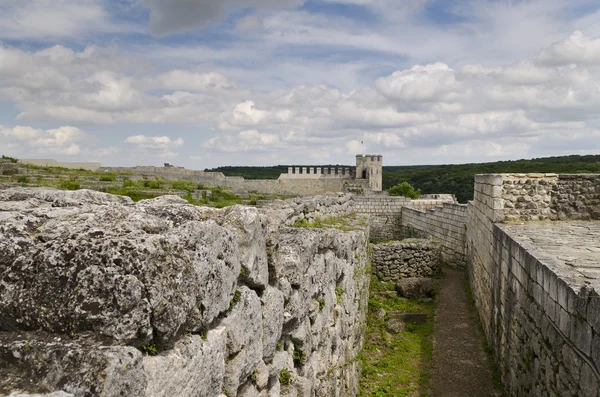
{"points": [[456, 179]]}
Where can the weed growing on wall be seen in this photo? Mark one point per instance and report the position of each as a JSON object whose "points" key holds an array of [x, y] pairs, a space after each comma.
{"points": [[344, 223]]}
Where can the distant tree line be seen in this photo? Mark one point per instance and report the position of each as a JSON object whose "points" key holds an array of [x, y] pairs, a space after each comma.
{"points": [[457, 179]]}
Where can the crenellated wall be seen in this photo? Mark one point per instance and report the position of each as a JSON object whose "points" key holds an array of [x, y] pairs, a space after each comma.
{"points": [[302, 184]]}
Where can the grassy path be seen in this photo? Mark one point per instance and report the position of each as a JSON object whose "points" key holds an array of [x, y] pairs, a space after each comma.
{"points": [[396, 364]]}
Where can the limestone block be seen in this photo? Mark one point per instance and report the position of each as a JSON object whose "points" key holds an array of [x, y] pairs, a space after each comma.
{"points": [[245, 224], [272, 320], [244, 339], [415, 288], [78, 365], [193, 367], [121, 272]]}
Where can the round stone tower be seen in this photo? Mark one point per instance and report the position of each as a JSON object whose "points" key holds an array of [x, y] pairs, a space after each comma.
{"points": [[369, 167]]}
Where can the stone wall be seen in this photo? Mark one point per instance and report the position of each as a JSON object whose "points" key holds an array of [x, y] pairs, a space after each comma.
{"points": [[407, 258], [385, 213], [539, 316], [90, 166], [577, 197], [544, 321], [162, 298], [447, 225], [315, 185], [550, 196]]}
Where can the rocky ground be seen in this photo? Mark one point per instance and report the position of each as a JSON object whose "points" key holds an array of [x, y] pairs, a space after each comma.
{"points": [[137, 187]]}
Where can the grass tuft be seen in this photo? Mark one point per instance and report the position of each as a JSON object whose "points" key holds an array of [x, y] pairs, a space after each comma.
{"points": [[396, 364]]}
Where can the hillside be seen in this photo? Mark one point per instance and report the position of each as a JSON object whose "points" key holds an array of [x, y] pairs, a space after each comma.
{"points": [[458, 179]]}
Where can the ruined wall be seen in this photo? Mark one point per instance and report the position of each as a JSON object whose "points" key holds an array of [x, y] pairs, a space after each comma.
{"points": [[407, 258], [90, 166], [385, 213], [164, 298], [539, 317], [446, 224], [284, 185]]}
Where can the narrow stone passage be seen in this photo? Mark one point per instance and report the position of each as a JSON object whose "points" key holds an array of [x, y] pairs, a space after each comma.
{"points": [[461, 368]]}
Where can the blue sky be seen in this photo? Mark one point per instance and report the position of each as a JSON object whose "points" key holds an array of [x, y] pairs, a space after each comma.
{"points": [[259, 82]]}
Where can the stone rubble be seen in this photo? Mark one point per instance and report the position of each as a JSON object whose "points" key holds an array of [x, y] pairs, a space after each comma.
{"points": [[407, 258]]}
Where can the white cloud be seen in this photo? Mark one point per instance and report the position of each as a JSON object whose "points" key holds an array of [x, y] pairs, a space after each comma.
{"points": [[191, 81], [62, 141], [160, 147], [51, 19], [245, 141], [154, 142], [575, 49], [427, 83], [431, 106]]}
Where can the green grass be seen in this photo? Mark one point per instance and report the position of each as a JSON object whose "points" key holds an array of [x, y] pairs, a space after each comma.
{"points": [[107, 178], [121, 184], [135, 195], [345, 223], [70, 184], [396, 364]]}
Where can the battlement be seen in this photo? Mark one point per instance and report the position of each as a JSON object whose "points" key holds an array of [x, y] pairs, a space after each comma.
{"points": [[318, 172], [372, 158], [370, 167]]}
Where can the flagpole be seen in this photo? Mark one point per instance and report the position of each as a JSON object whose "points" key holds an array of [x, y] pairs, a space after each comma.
{"points": [[362, 145]]}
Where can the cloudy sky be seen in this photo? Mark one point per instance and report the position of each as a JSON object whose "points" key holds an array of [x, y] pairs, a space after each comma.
{"points": [[203, 83]]}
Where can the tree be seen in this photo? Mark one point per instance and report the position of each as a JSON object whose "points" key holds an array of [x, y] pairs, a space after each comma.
{"points": [[404, 189]]}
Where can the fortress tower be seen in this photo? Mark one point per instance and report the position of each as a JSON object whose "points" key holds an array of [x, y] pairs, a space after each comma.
{"points": [[369, 167]]}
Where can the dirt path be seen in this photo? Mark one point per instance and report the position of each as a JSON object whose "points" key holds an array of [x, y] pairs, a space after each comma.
{"points": [[461, 368]]}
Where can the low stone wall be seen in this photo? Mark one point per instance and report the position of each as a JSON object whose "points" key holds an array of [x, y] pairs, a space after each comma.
{"points": [[447, 225], [407, 258], [163, 298]]}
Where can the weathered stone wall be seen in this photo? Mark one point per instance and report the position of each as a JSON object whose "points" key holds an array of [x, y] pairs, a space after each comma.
{"points": [[385, 213], [550, 196], [447, 225], [90, 166], [407, 258], [222, 301], [544, 320], [284, 186], [577, 197], [539, 319]]}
